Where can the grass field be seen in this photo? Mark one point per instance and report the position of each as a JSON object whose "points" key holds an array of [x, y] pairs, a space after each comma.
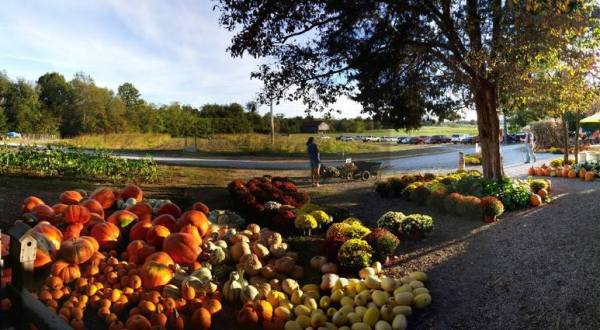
{"points": [[255, 144]]}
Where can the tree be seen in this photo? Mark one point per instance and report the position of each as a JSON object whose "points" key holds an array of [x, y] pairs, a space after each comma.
{"points": [[55, 95], [129, 95], [401, 59], [22, 108]]}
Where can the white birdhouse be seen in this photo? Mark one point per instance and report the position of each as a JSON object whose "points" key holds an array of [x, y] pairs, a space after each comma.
{"points": [[23, 245]]}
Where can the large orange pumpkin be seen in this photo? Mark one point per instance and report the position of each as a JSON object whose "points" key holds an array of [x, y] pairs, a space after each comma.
{"points": [[156, 235], [201, 319], [590, 176], [247, 317], [139, 230], [531, 171], [30, 202], [192, 230], [138, 251], [196, 218], [70, 197], [559, 171], [199, 206], [142, 210], [161, 257], [182, 247], [155, 275], [543, 193], [166, 220], [59, 208], [565, 171], [107, 235], [43, 212], [122, 218], [76, 214], [572, 174], [169, 208], [93, 206], [94, 220], [582, 173], [67, 272], [42, 258], [106, 196], [73, 231], [535, 200], [48, 232], [138, 322], [78, 250], [132, 191]]}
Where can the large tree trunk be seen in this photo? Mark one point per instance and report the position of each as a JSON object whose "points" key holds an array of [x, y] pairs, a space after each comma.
{"points": [[489, 129], [565, 138]]}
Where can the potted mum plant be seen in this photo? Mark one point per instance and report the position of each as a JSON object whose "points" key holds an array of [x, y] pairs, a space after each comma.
{"points": [[491, 207]]}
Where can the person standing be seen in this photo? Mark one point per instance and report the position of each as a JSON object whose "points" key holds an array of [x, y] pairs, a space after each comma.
{"points": [[529, 146], [315, 161]]}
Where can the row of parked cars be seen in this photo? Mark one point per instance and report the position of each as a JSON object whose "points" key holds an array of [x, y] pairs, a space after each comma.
{"points": [[435, 139]]}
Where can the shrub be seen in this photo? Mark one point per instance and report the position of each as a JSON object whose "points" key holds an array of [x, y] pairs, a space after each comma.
{"points": [[514, 194], [397, 185], [451, 201], [406, 193], [322, 218], [429, 176], [346, 231], [384, 188], [420, 194], [473, 159], [469, 206], [491, 206], [415, 226], [355, 253], [383, 242], [470, 183], [352, 221], [390, 220], [306, 223], [538, 184], [436, 199]]}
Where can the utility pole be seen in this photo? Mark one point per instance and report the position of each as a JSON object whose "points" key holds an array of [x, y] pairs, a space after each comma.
{"points": [[272, 125]]}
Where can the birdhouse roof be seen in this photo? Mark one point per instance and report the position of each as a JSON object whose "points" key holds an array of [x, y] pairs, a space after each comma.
{"points": [[20, 231]]}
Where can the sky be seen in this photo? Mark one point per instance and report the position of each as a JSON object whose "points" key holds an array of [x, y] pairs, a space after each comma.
{"points": [[170, 50]]}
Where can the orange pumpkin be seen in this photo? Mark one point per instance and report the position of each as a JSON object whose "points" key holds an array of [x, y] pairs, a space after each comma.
{"points": [[199, 206], [155, 275], [546, 171], [107, 235], [70, 197], [166, 220], [572, 174], [50, 234], [559, 171], [78, 250], [213, 306], [156, 235], [59, 208], [543, 193], [274, 324], [535, 200], [106, 196], [264, 309], [76, 214], [582, 173], [539, 171], [42, 258], [159, 320], [192, 230], [139, 250], [182, 247], [201, 319], [30, 202], [247, 317], [589, 176], [43, 212], [138, 322], [94, 220], [161, 257], [122, 218], [531, 171], [142, 210], [565, 171], [93, 206], [196, 218], [73, 231], [169, 208], [65, 271], [132, 191], [139, 230]]}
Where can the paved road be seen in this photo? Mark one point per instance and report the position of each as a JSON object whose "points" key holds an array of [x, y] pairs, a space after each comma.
{"points": [[441, 159]]}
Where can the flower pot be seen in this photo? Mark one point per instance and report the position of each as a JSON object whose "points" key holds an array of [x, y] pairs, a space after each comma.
{"points": [[489, 218]]}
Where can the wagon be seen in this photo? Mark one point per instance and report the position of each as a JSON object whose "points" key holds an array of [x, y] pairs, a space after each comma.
{"points": [[364, 170]]}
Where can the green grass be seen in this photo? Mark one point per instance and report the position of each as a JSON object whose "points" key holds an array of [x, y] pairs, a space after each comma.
{"points": [[256, 144]]}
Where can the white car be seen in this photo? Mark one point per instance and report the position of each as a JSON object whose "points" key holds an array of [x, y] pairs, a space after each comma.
{"points": [[459, 138], [370, 138], [346, 138], [324, 137]]}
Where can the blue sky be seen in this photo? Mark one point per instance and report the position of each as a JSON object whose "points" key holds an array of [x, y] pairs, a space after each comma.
{"points": [[170, 50]]}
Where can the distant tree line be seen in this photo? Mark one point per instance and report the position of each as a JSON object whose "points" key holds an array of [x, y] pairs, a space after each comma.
{"points": [[53, 105]]}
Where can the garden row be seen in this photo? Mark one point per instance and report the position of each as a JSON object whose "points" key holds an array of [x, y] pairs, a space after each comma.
{"points": [[27, 160], [467, 193], [114, 256]]}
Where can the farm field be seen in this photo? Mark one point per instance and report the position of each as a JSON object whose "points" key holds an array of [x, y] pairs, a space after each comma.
{"points": [[252, 144]]}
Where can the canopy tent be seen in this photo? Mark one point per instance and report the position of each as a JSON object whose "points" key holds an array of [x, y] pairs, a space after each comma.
{"points": [[593, 119]]}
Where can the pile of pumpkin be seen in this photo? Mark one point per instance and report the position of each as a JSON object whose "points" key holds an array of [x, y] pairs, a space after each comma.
{"points": [[566, 171], [142, 264]]}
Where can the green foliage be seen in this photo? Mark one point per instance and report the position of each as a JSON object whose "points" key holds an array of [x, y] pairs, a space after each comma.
{"points": [[390, 220], [383, 242], [420, 194], [355, 253], [538, 184], [514, 194], [470, 183], [76, 164], [491, 206], [346, 231], [415, 226]]}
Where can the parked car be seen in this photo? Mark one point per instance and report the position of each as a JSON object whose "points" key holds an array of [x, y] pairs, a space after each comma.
{"points": [[346, 138], [13, 134], [400, 139], [370, 138], [418, 139], [459, 138], [471, 140], [435, 139], [324, 137], [389, 139], [405, 140]]}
